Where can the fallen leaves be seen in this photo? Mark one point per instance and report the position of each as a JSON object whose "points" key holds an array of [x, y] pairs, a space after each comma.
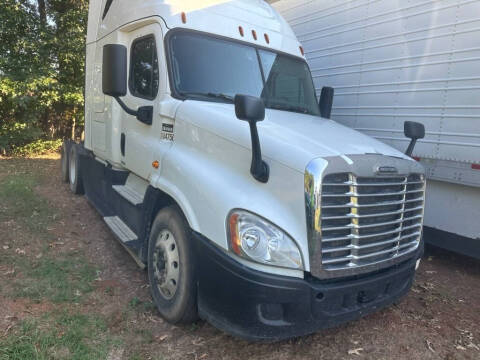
{"points": [[12, 320], [356, 351], [429, 345], [9, 272], [466, 341], [55, 244], [116, 354], [161, 338], [9, 327]]}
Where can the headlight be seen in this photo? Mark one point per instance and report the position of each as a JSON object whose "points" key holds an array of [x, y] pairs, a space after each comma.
{"points": [[256, 239]]}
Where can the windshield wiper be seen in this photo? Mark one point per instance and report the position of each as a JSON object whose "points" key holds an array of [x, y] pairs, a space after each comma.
{"points": [[209, 95]]}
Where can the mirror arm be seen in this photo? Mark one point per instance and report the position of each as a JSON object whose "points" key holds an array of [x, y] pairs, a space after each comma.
{"points": [[259, 168], [410, 148], [125, 107]]}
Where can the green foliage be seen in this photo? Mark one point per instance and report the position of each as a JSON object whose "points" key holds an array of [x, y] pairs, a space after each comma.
{"points": [[38, 147], [42, 60]]}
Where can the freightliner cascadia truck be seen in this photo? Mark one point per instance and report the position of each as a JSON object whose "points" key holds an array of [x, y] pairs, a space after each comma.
{"points": [[212, 160]]}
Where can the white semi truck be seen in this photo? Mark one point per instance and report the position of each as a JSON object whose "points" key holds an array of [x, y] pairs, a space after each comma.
{"points": [[211, 160], [418, 60]]}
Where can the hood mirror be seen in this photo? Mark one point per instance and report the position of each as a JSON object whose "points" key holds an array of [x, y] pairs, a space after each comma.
{"points": [[252, 110], [414, 131]]}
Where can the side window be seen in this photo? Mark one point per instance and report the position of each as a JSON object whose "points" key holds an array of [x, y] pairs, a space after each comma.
{"points": [[144, 73]]}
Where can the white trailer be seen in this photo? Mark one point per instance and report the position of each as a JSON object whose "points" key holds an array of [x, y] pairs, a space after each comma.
{"points": [[392, 61]]}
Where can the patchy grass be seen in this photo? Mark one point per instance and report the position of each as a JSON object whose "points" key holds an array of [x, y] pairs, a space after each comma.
{"points": [[141, 306], [44, 275], [58, 280], [64, 336], [21, 204]]}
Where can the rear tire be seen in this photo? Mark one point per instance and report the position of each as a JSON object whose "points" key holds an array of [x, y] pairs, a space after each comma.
{"points": [[74, 170], [171, 267], [65, 163]]}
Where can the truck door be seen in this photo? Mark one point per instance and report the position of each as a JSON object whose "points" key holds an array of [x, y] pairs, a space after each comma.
{"points": [[141, 142]]}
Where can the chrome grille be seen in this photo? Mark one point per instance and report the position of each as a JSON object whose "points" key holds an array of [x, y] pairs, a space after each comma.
{"points": [[369, 220]]}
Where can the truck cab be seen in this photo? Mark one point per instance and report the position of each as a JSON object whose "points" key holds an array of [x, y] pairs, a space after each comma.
{"points": [[211, 159]]}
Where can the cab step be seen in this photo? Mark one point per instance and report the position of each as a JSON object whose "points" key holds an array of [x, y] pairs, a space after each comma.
{"points": [[125, 235], [123, 232], [134, 189]]}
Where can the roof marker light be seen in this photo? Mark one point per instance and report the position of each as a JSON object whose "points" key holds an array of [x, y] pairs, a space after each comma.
{"points": [[267, 39], [254, 33], [301, 50], [240, 30], [184, 18]]}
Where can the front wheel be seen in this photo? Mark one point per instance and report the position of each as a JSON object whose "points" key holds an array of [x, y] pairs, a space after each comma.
{"points": [[171, 265]]}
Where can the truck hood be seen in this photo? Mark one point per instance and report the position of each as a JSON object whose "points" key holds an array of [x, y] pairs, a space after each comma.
{"points": [[292, 139]]}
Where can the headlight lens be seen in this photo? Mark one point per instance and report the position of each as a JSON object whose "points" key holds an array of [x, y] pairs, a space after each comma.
{"points": [[256, 239]]}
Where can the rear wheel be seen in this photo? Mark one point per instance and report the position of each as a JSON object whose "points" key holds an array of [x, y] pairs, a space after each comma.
{"points": [[64, 161], [74, 170], [171, 267]]}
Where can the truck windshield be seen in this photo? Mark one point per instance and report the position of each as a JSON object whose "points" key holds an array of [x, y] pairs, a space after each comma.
{"points": [[208, 68]]}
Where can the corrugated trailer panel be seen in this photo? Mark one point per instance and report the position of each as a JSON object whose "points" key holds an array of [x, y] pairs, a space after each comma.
{"points": [[392, 61]]}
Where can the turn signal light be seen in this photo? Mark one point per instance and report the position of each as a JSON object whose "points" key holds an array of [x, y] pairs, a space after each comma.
{"points": [[184, 18], [234, 236], [156, 164]]}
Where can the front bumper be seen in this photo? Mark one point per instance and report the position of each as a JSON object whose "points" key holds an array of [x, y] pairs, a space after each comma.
{"points": [[257, 306]]}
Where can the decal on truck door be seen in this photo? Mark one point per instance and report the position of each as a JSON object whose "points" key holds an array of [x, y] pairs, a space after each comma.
{"points": [[167, 132]]}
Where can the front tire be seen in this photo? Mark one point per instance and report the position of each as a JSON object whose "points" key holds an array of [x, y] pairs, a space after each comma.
{"points": [[74, 170], [171, 267]]}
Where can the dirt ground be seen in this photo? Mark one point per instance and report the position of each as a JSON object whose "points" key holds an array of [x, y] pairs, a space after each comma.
{"points": [[438, 319]]}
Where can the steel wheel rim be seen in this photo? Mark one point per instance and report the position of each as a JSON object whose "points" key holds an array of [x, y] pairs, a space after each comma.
{"points": [[166, 264], [73, 169]]}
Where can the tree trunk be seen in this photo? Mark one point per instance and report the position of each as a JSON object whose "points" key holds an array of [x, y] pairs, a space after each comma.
{"points": [[73, 128], [42, 10], [74, 121]]}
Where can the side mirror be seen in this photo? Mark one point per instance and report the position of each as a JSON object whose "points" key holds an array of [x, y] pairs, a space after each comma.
{"points": [[252, 110], [414, 131], [114, 70], [326, 102], [114, 80], [249, 108]]}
